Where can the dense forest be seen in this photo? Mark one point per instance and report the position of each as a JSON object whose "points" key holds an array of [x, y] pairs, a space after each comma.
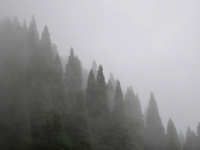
{"points": [[48, 102]]}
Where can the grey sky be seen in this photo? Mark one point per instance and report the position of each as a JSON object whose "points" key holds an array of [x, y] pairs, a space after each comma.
{"points": [[152, 45]]}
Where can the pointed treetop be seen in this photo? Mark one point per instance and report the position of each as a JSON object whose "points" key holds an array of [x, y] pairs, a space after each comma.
{"points": [[33, 25], [91, 77], [94, 65], [198, 129], [118, 95], [72, 52], [46, 35], [111, 77], [58, 65]]}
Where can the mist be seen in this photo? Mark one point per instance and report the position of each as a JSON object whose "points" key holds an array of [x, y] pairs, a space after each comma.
{"points": [[153, 46]]}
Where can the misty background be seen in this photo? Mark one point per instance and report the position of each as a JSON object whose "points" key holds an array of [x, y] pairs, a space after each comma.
{"points": [[151, 45]]}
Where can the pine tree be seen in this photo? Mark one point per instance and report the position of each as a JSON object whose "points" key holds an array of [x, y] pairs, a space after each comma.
{"points": [[134, 115], [172, 144], [198, 136], [191, 139], [111, 94], [181, 139], [173, 136], [120, 136], [59, 138], [94, 68], [73, 78], [102, 99], [90, 93], [97, 102], [46, 46], [154, 132], [33, 30], [81, 131]]}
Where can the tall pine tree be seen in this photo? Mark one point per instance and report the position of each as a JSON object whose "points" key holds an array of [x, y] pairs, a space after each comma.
{"points": [[154, 132]]}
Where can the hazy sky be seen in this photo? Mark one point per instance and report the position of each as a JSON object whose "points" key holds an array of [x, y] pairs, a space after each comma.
{"points": [[153, 45]]}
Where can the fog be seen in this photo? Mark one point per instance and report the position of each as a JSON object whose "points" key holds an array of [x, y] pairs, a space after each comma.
{"points": [[151, 45]]}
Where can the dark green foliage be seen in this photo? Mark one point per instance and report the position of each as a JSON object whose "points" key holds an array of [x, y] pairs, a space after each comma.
{"points": [[102, 99], [172, 145], [45, 46], [60, 138], [120, 137], [98, 109], [73, 78], [81, 131], [154, 131], [54, 50], [111, 94], [191, 139], [40, 108], [173, 141], [134, 115], [90, 93]]}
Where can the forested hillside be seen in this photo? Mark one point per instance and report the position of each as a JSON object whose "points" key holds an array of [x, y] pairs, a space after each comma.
{"points": [[51, 103]]}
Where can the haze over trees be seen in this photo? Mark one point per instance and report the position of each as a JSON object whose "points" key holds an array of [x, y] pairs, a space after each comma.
{"points": [[48, 102]]}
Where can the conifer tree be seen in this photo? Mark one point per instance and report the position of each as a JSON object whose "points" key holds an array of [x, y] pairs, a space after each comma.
{"points": [[102, 98], [73, 78], [172, 136], [33, 30], [198, 136], [94, 68], [97, 102], [60, 138], [120, 136], [181, 139], [90, 93], [172, 144], [81, 131], [46, 46], [191, 139], [111, 94], [134, 115], [154, 132]]}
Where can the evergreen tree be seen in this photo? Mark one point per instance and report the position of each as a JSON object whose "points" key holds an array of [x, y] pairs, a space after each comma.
{"points": [[54, 50], [111, 94], [60, 138], [198, 136], [81, 131], [172, 144], [173, 136], [73, 78], [94, 68], [90, 93], [134, 115], [191, 139], [120, 136], [46, 46], [102, 99], [154, 132], [97, 102], [181, 139], [33, 30]]}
